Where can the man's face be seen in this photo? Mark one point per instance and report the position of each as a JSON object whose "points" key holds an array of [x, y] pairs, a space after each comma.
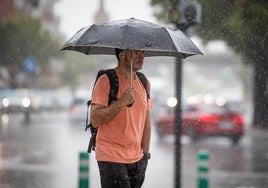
{"points": [[137, 58]]}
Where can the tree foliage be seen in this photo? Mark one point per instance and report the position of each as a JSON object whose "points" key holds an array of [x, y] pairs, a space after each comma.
{"points": [[243, 24], [240, 23], [23, 37]]}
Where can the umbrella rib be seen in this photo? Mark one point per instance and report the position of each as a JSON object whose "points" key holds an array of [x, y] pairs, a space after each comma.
{"points": [[125, 35], [189, 41], [183, 54]]}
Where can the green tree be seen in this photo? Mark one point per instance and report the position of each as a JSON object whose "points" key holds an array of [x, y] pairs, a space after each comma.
{"points": [[22, 37], [243, 24]]}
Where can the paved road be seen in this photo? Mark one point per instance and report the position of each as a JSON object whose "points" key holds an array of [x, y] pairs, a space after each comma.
{"points": [[44, 154]]}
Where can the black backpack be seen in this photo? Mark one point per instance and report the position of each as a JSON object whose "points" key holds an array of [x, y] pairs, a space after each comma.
{"points": [[114, 85]]}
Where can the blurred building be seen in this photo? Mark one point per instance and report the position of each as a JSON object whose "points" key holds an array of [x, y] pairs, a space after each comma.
{"points": [[101, 15], [7, 9], [40, 9]]}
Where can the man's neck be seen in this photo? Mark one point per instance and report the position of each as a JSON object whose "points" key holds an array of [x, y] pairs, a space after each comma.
{"points": [[123, 72]]}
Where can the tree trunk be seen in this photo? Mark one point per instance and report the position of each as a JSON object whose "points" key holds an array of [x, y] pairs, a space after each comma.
{"points": [[260, 94]]}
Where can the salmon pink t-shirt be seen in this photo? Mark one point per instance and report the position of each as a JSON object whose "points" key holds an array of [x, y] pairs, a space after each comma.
{"points": [[120, 139]]}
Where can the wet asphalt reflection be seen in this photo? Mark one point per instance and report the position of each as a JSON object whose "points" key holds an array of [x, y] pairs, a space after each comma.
{"points": [[44, 154]]}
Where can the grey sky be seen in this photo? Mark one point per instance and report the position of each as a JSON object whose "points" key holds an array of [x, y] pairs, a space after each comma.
{"points": [[79, 13]]}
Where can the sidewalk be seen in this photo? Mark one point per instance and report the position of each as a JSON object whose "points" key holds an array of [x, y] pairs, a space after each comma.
{"points": [[259, 149], [262, 132]]}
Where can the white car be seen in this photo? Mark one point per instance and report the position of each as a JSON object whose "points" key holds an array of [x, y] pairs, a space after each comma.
{"points": [[18, 100], [78, 108]]}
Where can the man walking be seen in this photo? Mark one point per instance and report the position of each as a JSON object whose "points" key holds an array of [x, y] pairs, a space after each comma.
{"points": [[124, 127]]}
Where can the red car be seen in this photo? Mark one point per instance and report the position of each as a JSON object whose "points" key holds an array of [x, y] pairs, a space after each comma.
{"points": [[202, 120]]}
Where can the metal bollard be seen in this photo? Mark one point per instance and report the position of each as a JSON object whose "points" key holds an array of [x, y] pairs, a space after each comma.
{"points": [[84, 170], [203, 169], [26, 114]]}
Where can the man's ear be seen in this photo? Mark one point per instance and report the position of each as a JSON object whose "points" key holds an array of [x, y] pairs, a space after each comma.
{"points": [[121, 55]]}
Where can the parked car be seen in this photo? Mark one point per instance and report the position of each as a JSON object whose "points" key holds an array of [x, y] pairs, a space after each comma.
{"points": [[237, 106], [4, 93], [78, 108], [17, 100], [201, 120]]}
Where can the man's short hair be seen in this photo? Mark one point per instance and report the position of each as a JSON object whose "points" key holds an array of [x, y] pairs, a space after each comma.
{"points": [[117, 52]]}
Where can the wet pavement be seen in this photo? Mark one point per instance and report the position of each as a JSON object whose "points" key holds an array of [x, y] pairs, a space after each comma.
{"points": [[44, 154]]}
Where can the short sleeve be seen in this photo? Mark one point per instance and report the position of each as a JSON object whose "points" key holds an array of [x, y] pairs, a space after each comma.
{"points": [[100, 94]]}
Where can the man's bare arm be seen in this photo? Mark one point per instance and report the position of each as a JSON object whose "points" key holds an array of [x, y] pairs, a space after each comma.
{"points": [[145, 144], [103, 114]]}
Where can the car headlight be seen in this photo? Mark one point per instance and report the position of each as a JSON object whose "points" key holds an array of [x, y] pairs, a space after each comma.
{"points": [[5, 102], [26, 102], [172, 102]]}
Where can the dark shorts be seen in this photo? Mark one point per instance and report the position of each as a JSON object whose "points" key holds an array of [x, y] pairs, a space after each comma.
{"points": [[119, 175]]}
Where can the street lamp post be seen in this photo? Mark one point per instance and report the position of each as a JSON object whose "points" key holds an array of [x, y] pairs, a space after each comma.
{"points": [[178, 123], [183, 14]]}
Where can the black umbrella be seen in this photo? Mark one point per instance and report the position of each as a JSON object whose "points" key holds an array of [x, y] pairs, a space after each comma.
{"points": [[132, 34]]}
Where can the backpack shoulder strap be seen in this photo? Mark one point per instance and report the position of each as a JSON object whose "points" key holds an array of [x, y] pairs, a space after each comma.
{"points": [[114, 85], [144, 82], [100, 73]]}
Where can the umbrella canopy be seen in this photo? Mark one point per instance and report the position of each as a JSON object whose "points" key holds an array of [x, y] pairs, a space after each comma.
{"points": [[132, 34]]}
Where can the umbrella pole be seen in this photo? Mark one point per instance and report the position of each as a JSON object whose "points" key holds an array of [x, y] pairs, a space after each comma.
{"points": [[131, 78], [131, 73]]}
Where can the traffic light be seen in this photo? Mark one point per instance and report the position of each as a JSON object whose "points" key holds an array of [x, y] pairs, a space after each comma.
{"points": [[173, 11], [190, 13], [184, 13]]}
